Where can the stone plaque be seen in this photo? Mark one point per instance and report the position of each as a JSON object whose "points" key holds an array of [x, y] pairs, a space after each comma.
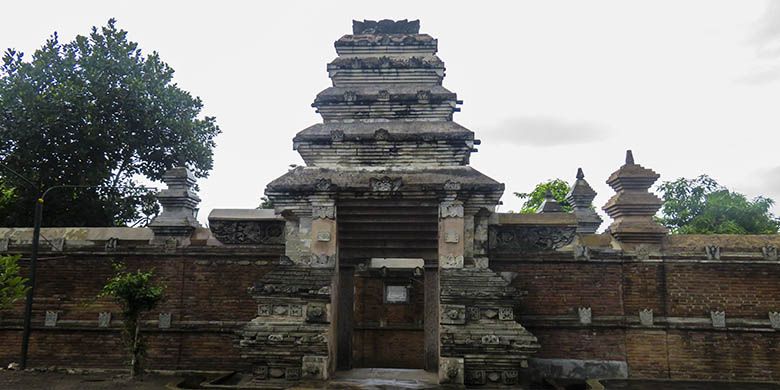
{"points": [[396, 294], [491, 339], [718, 319], [646, 317], [4, 245], [104, 319], [323, 236], [769, 252], [506, 314], [296, 311], [164, 320], [774, 319], [51, 318], [713, 252], [451, 237], [481, 262], [585, 315]]}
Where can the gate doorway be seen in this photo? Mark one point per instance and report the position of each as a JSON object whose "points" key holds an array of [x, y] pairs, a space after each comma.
{"points": [[388, 284]]}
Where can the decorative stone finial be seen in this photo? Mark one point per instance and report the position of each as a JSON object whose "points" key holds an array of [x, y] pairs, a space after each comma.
{"points": [[385, 26], [177, 220], [550, 205], [633, 207], [581, 198]]}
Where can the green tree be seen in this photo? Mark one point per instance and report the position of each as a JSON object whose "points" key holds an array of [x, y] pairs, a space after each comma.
{"points": [[559, 188], [136, 293], [95, 111], [702, 206], [12, 286]]}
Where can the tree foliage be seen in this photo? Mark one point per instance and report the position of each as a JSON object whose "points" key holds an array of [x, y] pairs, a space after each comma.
{"points": [[12, 286], [95, 111], [702, 206], [559, 189], [135, 293]]}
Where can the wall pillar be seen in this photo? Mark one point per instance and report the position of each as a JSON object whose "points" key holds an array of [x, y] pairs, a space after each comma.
{"points": [[431, 325]]}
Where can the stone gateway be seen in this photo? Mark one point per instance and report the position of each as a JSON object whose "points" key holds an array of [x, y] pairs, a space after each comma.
{"points": [[386, 250]]}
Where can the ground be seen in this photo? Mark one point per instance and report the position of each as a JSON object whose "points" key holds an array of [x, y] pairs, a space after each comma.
{"points": [[13, 380]]}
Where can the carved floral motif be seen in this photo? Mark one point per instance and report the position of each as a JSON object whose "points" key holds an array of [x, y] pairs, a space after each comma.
{"points": [[529, 238], [248, 232]]}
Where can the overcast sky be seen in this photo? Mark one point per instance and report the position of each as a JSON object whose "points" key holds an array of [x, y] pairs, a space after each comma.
{"points": [[548, 86]]}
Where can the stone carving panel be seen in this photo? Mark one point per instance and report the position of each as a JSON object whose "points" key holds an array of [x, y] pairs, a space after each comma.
{"points": [[506, 314], [315, 367], [453, 314], [585, 315], [164, 320], [769, 252], [51, 318], [451, 261], [248, 232], [451, 370], [316, 312], [385, 184], [451, 210], [646, 317], [323, 212], [104, 319], [513, 238], [718, 319], [713, 252], [774, 319]]}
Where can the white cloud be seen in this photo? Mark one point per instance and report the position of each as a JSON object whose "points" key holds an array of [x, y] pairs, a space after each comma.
{"points": [[546, 131]]}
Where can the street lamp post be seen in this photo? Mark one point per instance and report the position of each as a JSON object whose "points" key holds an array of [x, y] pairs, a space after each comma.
{"points": [[33, 262]]}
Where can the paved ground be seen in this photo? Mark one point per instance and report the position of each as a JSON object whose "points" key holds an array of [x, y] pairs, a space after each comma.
{"points": [[13, 380], [369, 379]]}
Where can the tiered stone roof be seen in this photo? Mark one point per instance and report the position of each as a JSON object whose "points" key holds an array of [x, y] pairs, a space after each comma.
{"points": [[386, 109]]}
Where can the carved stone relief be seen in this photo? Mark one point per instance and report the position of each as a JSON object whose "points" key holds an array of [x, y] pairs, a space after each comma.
{"points": [[529, 238], [323, 184], [769, 252], [164, 320], [718, 319], [51, 318], [451, 210], [385, 184], [248, 232], [453, 314], [774, 319], [451, 237], [506, 314], [104, 319], [585, 315], [451, 261], [646, 317], [713, 252], [323, 212]]}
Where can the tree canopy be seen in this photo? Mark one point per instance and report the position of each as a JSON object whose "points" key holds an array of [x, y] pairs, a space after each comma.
{"points": [[559, 189], [95, 112], [702, 206]]}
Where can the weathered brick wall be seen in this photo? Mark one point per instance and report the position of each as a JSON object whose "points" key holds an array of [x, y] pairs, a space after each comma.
{"points": [[206, 295], [681, 291]]}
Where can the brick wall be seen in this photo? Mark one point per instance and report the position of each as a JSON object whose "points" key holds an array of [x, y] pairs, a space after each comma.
{"points": [[682, 343], [205, 294]]}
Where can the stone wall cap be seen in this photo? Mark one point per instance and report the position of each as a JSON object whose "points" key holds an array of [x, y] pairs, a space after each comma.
{"points": [[557, 219], [79, 233], [243, 215]]}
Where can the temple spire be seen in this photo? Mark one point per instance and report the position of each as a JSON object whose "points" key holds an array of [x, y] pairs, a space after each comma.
{"points": [[581, 198], [633, 206]]}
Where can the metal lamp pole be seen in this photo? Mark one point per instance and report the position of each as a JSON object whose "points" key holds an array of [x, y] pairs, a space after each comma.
{"points": [[34, 260]]}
